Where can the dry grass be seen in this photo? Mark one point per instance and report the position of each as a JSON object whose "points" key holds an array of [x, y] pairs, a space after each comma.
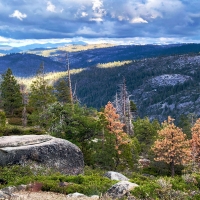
{"points": [[51, 77]]}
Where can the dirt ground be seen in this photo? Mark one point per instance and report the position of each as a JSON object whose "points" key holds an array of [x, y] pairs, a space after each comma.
{"points": [[25, 195]]}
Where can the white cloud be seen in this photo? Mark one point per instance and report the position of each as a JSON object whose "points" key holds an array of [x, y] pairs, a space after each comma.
{"points": [[138, 20], [97, 4], [17, 14], [97, 19], [84, 14], [51, 7], [98, 11]]}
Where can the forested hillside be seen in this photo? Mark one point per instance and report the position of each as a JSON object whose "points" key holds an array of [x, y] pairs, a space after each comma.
{"points": [[159, 86], [161, 80]]}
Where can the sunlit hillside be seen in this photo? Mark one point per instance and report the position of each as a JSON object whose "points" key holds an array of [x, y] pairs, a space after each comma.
{"points": [[51, 77], [71, 48]]}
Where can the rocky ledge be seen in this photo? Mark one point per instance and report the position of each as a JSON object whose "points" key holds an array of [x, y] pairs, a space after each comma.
{"points": [[43, 150]]}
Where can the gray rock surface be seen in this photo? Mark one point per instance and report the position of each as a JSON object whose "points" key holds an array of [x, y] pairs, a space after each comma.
{"points": [[120, 189], [44, 150], [9, 190], [116, 176], [76, 195]]}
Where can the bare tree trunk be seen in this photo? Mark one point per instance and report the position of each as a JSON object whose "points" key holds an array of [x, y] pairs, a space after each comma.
{"points": [[172, 168], [69, 80]]}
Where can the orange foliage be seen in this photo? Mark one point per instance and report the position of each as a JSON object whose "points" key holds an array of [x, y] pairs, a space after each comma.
{"points": [[195, 141], [114, 126], [171, 146]]}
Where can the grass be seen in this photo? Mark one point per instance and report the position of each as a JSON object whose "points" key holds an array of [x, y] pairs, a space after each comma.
{"points": [[51, 77]]}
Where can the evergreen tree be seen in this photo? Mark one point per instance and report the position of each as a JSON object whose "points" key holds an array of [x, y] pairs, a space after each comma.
{"points": [[10, 93], [172, 147], [41, 95], [63, 91], [146, 133], [186, 124]]}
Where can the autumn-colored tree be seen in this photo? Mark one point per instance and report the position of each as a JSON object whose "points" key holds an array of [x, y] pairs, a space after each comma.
{"points": [[114, 126], [195, 141], [171, 146], [118, 137]]}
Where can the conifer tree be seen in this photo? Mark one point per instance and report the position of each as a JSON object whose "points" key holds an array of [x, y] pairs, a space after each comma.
{"points": [[171, 146], [195, 142], [41, 95], [10, 93], [63, 91]]}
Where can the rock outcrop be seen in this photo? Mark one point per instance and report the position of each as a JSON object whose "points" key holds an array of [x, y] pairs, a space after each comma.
{"points": [[43, 150], [120, 190], [116, 176]]}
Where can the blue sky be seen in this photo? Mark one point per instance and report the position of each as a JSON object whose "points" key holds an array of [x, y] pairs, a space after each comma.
{"points": [[95, 21]]}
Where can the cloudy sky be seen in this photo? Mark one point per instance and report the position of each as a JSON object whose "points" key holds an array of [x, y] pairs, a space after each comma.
{"points": [[128, 21]]}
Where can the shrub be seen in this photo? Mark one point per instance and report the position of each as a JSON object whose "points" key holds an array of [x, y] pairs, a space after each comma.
{"points": [[15, 121], [2, 119], [179, 183], [146, 191], [12, 131]]}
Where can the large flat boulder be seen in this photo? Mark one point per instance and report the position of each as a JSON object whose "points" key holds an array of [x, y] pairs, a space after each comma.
{"points": [[43, 150]]}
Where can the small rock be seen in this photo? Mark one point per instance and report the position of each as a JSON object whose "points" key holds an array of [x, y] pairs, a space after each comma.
{"points": [[9, 190], [76, 195], [116, 176], [21, 187], [94, 197], [3, 196]]}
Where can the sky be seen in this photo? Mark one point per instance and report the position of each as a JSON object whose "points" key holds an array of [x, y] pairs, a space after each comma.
{"points": [[96, 21]]}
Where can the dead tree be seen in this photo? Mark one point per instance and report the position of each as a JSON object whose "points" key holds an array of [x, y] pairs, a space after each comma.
{"points": [[122, 105]]}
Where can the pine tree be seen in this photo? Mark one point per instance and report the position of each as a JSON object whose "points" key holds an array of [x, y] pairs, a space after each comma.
{"points": [[41, 95], [63, 91], [195, 142], [171, 146], [10, 93]]}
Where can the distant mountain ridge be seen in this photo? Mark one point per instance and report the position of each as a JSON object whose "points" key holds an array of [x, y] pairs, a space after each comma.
{"points": [[25, 65]]}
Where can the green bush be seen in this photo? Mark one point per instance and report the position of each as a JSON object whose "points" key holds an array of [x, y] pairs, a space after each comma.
{"points": [[12, 131], [15, 121], [2, 119], [20, 131], [197, 177], [178, 183], [146, 191], [86, 184]]}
